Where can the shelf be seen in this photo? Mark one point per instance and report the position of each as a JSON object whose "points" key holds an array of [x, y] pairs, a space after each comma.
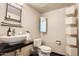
{"points": [[75, 46], [10, 19], [11, 25], [69, 15], [73, 35], [72, 25]]}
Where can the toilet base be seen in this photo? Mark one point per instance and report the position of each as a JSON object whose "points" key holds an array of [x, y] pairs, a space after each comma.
{"points": [[43, 54], [40, 53]]}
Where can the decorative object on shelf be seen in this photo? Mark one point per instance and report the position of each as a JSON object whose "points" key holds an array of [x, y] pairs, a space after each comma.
{"points": [[72, 41], [71, 20], [71, 11], [71, 30], [9, 32]]}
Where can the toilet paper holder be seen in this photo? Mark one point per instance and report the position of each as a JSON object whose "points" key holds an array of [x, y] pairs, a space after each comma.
{"points": [[58, 42]]}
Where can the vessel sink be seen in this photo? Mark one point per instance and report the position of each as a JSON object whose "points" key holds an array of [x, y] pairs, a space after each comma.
{"points": [[11, 40]]}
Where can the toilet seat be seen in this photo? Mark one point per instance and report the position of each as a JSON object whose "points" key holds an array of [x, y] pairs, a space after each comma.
{"points": [[45, 49]]}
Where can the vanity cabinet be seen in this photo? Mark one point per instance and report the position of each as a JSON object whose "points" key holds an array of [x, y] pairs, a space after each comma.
{"points": [[25, 51]]}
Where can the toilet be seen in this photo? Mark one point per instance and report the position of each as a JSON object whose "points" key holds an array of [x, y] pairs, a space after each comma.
{"points": [[43, 50]]}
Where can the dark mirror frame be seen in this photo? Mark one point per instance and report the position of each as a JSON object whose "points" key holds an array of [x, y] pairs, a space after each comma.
{"points": [[9, 19]]}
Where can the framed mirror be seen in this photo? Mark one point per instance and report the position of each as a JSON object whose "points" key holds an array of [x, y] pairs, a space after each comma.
{"points": [[13, 12]]}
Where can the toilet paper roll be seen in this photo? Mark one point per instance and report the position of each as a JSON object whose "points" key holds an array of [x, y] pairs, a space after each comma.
{"points": [[58, 42]]}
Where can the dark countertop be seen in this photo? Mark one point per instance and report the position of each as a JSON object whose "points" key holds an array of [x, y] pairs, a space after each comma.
{"points": [[5, 48]]}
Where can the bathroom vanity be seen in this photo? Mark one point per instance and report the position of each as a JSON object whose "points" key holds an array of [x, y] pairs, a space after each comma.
{"points": [[5, 48]]}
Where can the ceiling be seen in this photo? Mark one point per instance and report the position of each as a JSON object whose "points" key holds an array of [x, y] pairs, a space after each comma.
{"points": [[45, 7]]}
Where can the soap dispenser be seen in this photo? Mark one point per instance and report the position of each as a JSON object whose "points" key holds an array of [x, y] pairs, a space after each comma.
{"points": [[9, 32]]}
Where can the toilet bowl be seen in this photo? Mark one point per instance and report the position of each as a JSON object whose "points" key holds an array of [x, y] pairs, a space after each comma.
{"points": [[43, 50]]}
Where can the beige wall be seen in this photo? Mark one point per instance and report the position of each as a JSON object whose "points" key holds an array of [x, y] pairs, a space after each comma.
{"points": [[30, 21], [55, 30]]}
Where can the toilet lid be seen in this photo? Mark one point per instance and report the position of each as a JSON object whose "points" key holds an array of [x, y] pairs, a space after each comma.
{"points": [[45, 49]]}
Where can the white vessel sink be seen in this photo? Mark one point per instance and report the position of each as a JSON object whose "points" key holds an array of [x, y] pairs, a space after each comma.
{"points": [[11, 40]]}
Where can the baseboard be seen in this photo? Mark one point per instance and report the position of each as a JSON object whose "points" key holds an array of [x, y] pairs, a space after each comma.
{"points": [[51, 54], [56, 54]]}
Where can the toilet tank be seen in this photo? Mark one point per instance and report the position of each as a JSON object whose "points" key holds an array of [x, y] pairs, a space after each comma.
{"points": [[37, 42]]}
